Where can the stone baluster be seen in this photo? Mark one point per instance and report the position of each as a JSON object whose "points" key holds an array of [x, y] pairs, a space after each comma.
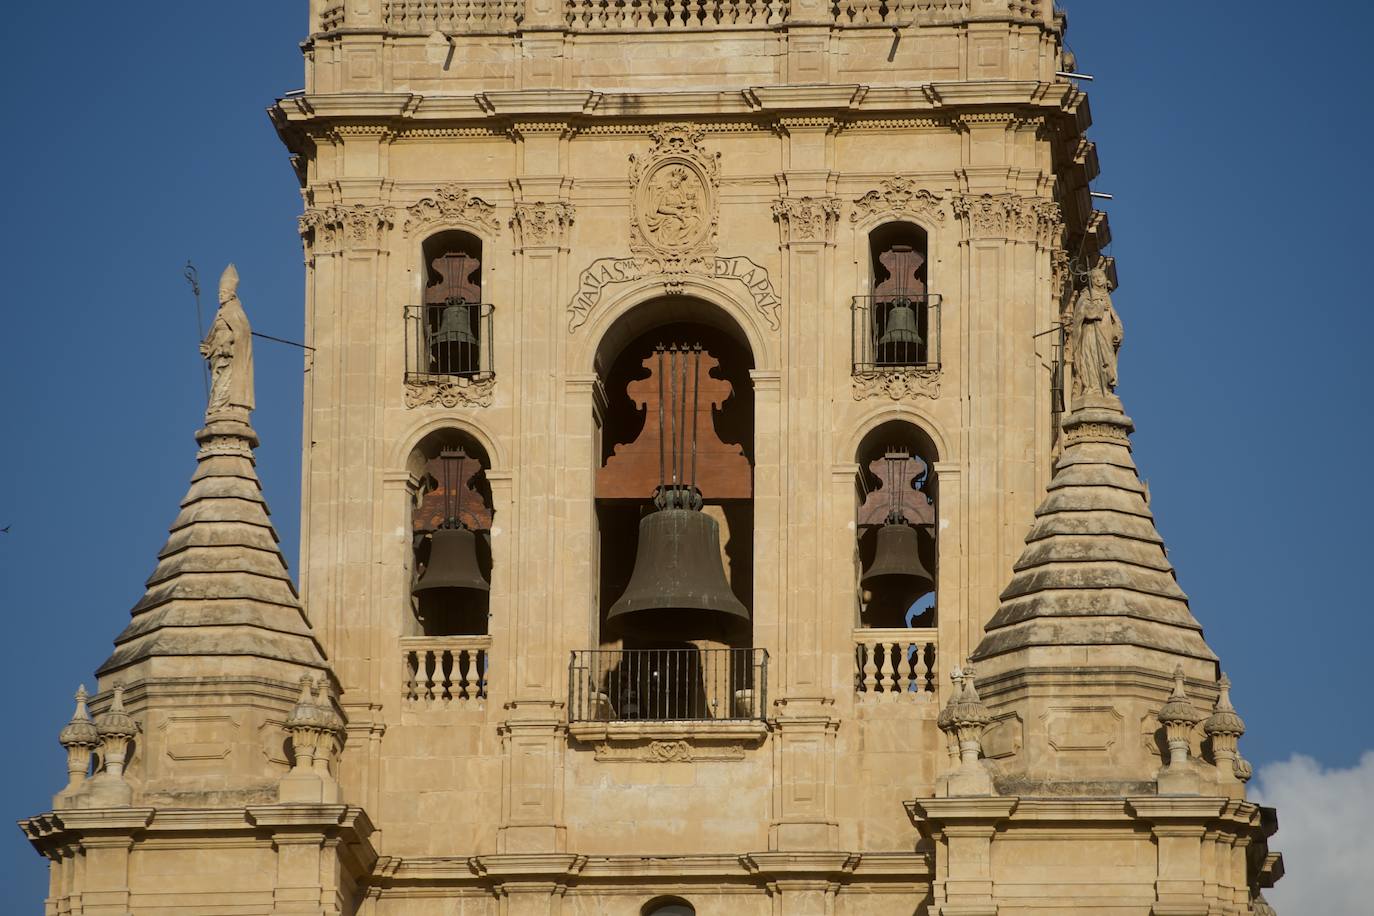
{"points": [[867, 651]]}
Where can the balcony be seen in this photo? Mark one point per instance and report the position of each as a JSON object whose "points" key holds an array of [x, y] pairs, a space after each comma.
{"points": [[445, 672], [896, 332], [448, 354], [667, 692]]}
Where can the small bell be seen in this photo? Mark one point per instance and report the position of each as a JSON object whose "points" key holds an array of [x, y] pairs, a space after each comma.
{"points": [[897, 561], [902, 328], [452, 562], [453, 347]]}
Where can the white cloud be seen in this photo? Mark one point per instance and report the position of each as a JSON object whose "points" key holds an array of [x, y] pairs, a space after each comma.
{"points": [[1326, 835]]}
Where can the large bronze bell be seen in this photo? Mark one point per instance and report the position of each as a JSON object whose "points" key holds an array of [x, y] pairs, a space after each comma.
{"points": [[678, 567], [452, 562], [897, 561]]}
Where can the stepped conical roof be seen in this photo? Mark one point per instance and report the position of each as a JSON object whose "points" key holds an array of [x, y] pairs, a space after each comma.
{"points": [[221, 586], [1094, 571]]}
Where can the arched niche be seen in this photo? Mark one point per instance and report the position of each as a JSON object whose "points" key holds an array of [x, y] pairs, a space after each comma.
{"points": [[629, 457], [450, 328], [448, 474], [897, 460], [897, 323]]}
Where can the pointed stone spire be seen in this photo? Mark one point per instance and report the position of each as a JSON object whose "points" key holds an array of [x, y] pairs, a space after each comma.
{"points": [[1095, 571], [1224, 727], [1093, 624], [221, 588], [80, 739]]}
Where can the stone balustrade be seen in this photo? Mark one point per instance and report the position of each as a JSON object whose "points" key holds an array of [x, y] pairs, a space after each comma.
{"points": [[459, 17], [444, 671], [895, 664], [452, 17]]}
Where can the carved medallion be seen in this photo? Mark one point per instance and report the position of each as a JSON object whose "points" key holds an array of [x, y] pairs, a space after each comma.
{"points": [[674, 201]]}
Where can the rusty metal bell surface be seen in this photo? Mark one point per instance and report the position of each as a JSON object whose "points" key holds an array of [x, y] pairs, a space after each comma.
{"points": [[678, 567], [455, 326], [897, 560], [452, 562]]}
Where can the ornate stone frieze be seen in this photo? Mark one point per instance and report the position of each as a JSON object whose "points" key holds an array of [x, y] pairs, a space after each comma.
{"points": [[452, 203], [453, 391], [898, 195], [540, 222], [674, 202], [806, 219], [328, 229], [1009, 216], [678, 751], [605, 271], [897, 384]]}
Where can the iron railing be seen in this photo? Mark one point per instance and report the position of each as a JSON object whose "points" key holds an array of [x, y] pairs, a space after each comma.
{"points": [[617, 685], [448, 339], [884, 337]]}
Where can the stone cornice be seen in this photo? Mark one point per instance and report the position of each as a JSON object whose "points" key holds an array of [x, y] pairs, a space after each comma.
{"points": [[996, 101]]}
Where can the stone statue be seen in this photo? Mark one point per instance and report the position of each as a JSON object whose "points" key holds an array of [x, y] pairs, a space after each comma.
{"points": [[228, 348], [1094, 338]]}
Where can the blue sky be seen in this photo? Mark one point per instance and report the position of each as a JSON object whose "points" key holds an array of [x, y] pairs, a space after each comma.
{"points": [[1235, 138]]}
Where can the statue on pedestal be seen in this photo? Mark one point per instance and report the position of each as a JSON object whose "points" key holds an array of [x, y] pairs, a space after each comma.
{"points": [[228, 348], [1095, 335]]}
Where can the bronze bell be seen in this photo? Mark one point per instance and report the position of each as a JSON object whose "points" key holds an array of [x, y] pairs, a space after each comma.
{"points": [[678, 567], [452, 562], [902, 334], [897, 561], [454, 326]]}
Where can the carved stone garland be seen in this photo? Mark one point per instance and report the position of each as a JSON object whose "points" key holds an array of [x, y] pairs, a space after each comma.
{"points": [[675, 212], [542, 222], [452, 203], [899, 384], [806, 219], [326, 230], [454, 391], [1027, 219]]}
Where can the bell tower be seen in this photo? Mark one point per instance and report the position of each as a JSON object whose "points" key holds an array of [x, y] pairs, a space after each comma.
{"points": [[686, 378]]}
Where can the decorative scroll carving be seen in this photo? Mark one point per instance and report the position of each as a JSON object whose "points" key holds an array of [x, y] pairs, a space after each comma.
{"points": [[605, 271], [329, 229], [898, 195], [675, 202], [679, 751], [897, 384], [542, 223], [1029, 219], [451, 391], [806, 219], [452, 203]]}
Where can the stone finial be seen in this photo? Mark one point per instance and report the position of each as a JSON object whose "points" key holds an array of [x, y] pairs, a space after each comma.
{"points": [[117, 729], [1179, 716], [80, 737], [1243, 769], [316, 732], [945, 723], [1225, 726], [965, 718]]}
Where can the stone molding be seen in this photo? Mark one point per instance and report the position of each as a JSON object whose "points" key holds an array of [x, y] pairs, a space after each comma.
{"points": [[452, 204], [542, 223], [806, 219], [898, 196], [671, 751]]}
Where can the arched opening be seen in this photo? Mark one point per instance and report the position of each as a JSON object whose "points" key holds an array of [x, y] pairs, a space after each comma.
{"points": [[450, 330], [898, 538], [451, 518], [668, 906], [675, 519], [897, 323]]}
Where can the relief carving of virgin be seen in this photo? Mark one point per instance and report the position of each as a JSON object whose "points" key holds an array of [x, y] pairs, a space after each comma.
{"points": [[673, 217], [674, 198]]}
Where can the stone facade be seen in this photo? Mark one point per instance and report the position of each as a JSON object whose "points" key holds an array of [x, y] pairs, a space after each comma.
{"points": [[613, 168]]}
